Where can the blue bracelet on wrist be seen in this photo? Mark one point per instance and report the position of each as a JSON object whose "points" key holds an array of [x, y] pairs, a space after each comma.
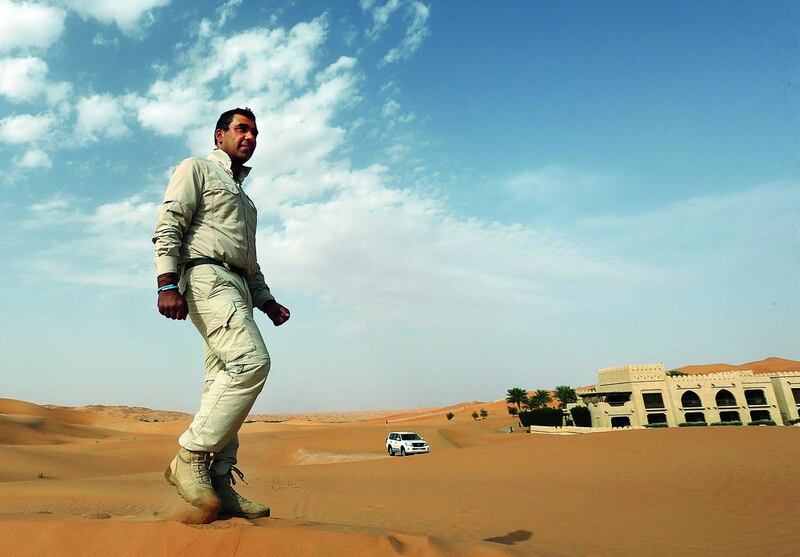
{"points": [[167, 287]]}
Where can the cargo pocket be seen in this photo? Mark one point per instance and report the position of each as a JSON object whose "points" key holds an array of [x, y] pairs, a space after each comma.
{"points": [[228, 334], [221, 319]]}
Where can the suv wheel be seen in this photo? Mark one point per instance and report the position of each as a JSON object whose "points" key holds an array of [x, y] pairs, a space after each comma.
{"points": [[390, 450], [402, 451]]}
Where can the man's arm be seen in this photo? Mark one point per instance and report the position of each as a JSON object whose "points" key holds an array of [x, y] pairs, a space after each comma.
{"points": [[264, 300], [180, 202]]}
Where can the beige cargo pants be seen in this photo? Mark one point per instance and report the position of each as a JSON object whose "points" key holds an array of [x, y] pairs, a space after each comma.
{"points": [[236, 361]]}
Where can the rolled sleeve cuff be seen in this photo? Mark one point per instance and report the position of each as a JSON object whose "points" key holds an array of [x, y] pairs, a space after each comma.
{"points": [[166, 264]]}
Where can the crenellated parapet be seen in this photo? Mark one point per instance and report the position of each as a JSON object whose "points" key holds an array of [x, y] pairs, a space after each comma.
{"points": [[632, 372]]}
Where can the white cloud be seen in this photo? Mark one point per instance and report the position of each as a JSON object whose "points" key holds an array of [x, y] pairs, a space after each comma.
{"points": [[390, 108], [101, 40], [113, 246], [753, 222], [58, 209], [25, 25], [27, 129], [380, 15], [416, 12], [415, 34], [170, 107], [25, 79], [275, 62], [226, 11], [101, 116], [553, 181], [35, 158], [128, 15]]}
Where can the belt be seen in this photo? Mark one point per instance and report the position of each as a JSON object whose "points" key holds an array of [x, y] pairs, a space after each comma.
{"points": [[211, 261]]}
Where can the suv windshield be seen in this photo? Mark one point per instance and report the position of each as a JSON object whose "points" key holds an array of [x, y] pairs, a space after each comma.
{"points": [[410, 437]]}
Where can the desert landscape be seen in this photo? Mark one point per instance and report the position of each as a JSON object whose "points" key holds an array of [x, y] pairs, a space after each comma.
{"points": [[88, 481]]}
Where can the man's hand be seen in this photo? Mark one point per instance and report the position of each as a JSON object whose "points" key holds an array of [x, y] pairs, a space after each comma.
{"points": [[276, 312], [171, 303]]}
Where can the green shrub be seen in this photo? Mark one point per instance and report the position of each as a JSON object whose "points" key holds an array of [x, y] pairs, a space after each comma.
{"points": [[450, 416], [727, 423], [656, 426], [553, 417], [692, 424], [581, 416], [794, 421], [761, 422]]}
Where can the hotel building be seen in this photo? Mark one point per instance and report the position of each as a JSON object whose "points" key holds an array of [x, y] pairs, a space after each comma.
{"points": [[641, 395]]}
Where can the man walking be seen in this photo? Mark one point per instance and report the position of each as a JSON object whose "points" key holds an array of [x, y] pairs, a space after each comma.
{"points": [[205, 256]]}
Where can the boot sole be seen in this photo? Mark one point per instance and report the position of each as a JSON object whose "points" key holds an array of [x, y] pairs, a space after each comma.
{"points": [[223, 514]]}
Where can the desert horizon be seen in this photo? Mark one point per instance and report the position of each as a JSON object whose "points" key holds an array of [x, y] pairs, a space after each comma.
{"points": [[89, 481]]}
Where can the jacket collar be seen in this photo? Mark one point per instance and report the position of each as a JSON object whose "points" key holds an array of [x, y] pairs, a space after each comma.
{"points": [[221, 158]]}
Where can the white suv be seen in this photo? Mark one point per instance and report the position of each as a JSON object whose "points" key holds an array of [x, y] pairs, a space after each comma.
{"points": [[405, 442]]}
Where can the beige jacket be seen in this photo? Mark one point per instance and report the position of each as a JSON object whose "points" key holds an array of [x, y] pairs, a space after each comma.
{"points": [[207, 214]]}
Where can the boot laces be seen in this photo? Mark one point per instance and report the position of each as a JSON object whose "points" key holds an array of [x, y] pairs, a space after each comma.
{"points": [[200, 463], [229, 481], [238, 473]]}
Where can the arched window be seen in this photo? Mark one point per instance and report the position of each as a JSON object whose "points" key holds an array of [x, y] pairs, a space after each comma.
{"points": [[725, 398], [689, 399]]}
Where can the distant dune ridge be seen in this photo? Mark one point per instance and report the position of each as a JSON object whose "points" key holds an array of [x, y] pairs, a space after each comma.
{"points": [[88, 481], [768, 365]]}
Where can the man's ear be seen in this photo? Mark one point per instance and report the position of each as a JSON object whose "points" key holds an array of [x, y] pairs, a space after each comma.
{"points": [[218, 134]]}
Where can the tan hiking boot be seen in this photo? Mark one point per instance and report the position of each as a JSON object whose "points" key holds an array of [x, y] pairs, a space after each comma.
{"points": [[234, 504], [188, 472]]}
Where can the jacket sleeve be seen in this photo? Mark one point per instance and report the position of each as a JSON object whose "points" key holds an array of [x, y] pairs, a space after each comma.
{"points": [[180, 201], [258, 288]]}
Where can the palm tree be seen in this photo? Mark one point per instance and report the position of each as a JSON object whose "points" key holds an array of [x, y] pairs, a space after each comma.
{"points": [[565, 394], [518, 396], [538, 399]]}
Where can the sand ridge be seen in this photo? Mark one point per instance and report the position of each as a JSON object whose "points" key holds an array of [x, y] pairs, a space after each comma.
{"points": [[334, 490], [767, 365]]}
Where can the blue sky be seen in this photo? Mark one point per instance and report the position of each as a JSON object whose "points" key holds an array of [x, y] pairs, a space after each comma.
{"points": [[454, 198]]}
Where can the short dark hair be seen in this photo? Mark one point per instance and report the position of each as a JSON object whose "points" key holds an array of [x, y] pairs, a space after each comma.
{"points": [[225, 119]]}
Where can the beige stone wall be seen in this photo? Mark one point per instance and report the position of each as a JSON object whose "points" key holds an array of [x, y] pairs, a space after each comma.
{"points": [[783, 384], [728, 396]]}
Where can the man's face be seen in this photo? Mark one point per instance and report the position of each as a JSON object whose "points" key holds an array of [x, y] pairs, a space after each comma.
{"points": [[239, 140]]}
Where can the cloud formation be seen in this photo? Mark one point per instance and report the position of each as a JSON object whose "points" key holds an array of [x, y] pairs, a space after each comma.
{"points": [[28, 25], [34, 158], [25, 80], [101, 116], [417, 15], [24, 129], [127, 15]]}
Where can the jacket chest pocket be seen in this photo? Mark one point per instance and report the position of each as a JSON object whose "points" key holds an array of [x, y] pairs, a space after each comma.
{"points": [[224, 198]]}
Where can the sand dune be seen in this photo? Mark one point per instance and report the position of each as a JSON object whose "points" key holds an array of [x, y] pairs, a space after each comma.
{"points": [[98, 489], [767, 365]]}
